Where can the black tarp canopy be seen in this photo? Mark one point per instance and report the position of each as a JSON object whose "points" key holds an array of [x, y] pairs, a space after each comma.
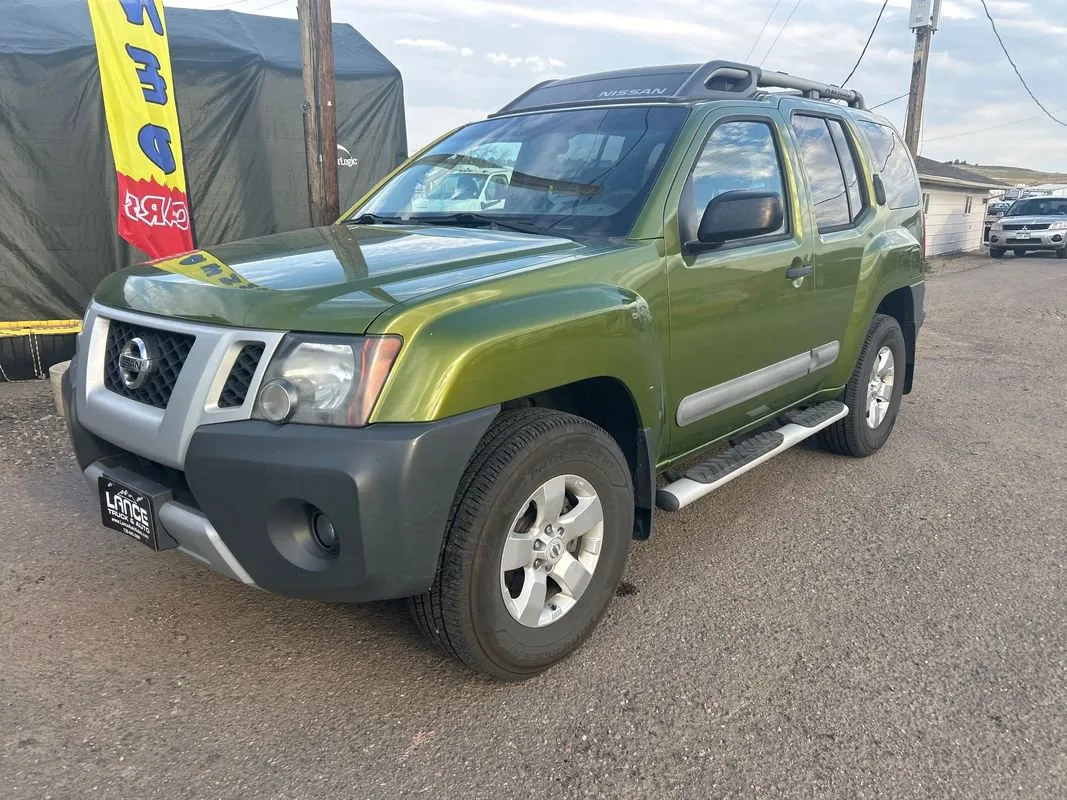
{"points": [[240, 96]]}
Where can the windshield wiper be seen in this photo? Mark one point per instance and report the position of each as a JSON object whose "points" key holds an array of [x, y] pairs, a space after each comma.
{"points": [[374, 219], [474, 220]]}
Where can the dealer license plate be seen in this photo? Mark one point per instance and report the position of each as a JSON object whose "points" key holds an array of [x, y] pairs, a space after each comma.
{"points": [[127, 511]]}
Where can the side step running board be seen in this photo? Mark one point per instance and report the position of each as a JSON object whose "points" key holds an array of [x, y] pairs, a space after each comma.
{"points": [[705, 478]]}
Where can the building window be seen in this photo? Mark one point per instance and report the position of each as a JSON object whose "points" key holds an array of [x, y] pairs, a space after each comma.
{"points": [[967, 205], [926, 202]]}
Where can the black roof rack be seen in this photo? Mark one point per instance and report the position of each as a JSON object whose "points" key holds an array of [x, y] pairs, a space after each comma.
{"points": [[716, 80]]}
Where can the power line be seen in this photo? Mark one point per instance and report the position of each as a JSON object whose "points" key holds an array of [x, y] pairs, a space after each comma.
{"points": [[763, 30], [235, 5], [887, 102], [267, 6], [865, 46], [991, 128], [779, 36], [1019, 74]]}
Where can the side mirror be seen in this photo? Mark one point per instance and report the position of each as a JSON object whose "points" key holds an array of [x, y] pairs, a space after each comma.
{"points": [[879, 190], [738, 215]]}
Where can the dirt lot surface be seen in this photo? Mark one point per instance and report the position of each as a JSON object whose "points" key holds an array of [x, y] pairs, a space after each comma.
{"points": [[822, 627]]}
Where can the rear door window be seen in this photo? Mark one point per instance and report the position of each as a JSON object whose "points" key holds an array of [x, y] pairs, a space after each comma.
{"points": [[892, 161], [824, 171], [849, 166]]}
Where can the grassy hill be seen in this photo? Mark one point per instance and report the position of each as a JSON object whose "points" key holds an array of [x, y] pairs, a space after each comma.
{"points": [[1014, 175]]}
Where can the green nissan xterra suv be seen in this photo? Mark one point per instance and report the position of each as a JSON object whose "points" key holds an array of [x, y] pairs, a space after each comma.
{"points": [[479, 409]]}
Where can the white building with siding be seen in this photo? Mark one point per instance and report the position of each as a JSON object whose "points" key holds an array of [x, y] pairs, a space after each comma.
{"points": [[954, 201]]}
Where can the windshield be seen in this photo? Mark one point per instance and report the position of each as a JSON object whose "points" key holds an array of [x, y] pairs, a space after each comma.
{"points": [[1039, 207], [572, 173]]}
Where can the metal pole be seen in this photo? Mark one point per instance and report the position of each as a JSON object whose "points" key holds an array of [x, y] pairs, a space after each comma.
{"points": [[917, 92]]}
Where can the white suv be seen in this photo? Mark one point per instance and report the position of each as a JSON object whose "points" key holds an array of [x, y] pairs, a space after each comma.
{"points": [[1033, 223]]}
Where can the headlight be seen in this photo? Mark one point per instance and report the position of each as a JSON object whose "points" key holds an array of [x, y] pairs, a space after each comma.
{"points": [[1058, 225], [326, 380], [997, 226]]}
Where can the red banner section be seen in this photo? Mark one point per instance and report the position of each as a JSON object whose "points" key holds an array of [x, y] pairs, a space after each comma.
{"points": [[153, 218], [142, 119]]}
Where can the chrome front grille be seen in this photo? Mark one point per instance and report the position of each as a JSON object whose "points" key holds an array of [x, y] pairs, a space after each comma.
{"points": [[201, 375], [152, 381]]}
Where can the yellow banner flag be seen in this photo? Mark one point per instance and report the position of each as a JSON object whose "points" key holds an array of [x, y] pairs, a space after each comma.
{"points": [[203, 266], [142, 120]]}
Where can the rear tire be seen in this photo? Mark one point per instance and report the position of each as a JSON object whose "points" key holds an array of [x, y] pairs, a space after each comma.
{"points": [[496, 604], [872, 394], [1019, 252], [996, 252]]}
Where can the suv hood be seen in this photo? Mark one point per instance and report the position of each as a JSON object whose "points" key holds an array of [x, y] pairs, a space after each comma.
{"points": [[1032, 220], [334, 280]]}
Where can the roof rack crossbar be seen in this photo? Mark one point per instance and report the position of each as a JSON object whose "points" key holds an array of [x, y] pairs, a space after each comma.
{"points": [[715, 80], [812, 89]]}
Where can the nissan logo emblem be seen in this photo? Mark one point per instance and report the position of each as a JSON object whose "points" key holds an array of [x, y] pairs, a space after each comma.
{"points": [[136, 364]]}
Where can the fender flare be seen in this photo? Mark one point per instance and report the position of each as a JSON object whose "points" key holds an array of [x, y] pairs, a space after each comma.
{"points": [[491, 350]]}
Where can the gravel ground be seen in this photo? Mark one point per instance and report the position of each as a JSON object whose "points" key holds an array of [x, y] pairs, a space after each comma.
{"points": [[823, 627]]}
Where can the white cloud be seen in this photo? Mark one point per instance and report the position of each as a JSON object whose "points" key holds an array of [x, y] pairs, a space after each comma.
{"points": [[951, 10], [533, 63], [435, 46], [970, 85], [503, 59], [642, 21], [411, 16]]}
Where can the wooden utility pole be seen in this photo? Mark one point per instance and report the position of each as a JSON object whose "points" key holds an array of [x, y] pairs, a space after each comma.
{"points": [[913, 125], [320, 109]]}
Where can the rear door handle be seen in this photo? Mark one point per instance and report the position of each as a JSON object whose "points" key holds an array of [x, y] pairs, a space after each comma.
{"points": [[799, 272]]}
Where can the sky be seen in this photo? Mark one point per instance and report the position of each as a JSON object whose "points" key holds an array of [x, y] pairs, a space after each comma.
{"points": [[464, 59]]}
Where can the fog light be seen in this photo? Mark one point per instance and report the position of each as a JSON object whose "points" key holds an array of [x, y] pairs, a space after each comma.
{"points": [[325, 534], [1057, 238], [994, 239], [277, 401]]}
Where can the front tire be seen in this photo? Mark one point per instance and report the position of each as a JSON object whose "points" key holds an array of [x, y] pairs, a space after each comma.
{"points": [[1062, 252], [996, 252], [872, 394], [535, 547]]}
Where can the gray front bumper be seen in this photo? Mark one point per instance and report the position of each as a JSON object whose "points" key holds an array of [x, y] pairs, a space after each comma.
{"points": [[243, 503], [195, 536], [1038, 240]]}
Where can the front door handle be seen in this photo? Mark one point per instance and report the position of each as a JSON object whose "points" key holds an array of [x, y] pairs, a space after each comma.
{"points": [[799, 272]]}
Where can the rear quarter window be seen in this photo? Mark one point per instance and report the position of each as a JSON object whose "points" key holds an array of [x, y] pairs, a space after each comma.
{"points": [[892, 161]]}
